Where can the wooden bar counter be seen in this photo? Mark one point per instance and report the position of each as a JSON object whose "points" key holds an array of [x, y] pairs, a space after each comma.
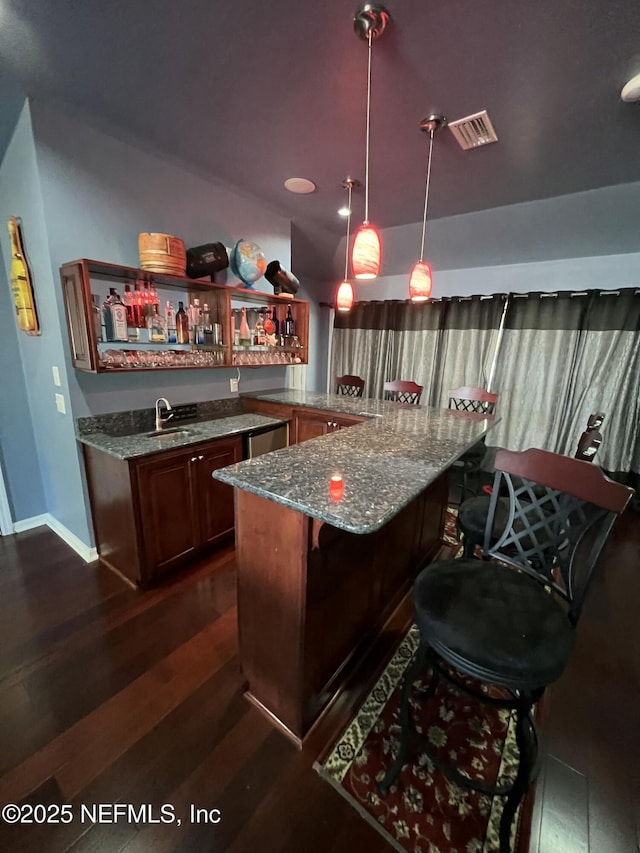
{"points": [[330, 535]]}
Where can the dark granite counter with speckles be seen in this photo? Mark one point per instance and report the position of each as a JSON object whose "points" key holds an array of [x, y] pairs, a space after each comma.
{"points": [[130, 446], [384, 463]]}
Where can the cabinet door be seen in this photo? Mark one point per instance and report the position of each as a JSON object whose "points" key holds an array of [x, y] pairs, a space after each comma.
{"points": [[170, 529], [213, 499], [307, 425], [342, 421]]}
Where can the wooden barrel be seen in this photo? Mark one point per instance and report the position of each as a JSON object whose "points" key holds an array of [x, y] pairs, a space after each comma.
{"points": [[162, 253]]}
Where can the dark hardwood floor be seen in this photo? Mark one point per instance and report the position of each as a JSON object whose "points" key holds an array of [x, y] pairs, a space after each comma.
{"points": [[111, 695]]}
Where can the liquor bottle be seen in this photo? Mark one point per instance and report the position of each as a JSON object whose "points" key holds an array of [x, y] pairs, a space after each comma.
{"points": [[21, 282], [115, 317], [132, 321], [195, 322], [170, 324], [156, 328], [97, 317], [138, 305], [207, 328], [289, 325], [245, 334], [261, 335], [182, 324]]}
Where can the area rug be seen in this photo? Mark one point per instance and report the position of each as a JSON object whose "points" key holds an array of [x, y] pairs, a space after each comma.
{"points": [[450, 536], [424, 812]]}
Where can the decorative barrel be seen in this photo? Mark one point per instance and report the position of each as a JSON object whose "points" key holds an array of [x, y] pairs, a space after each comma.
{"points": [[162, 253]]}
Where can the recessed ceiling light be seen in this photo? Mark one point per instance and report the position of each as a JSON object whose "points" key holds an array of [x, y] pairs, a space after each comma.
{"points": [[301, 186], [344, 211]]}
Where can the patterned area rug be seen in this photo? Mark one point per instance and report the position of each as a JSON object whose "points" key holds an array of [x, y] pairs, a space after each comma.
{"points": [[424, 812], [451, 526]]}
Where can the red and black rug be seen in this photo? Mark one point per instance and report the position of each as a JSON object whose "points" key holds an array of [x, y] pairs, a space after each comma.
{"points": [[424, 812]]}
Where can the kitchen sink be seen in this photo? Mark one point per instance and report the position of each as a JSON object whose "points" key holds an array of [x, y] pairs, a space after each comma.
{"points": [[168, 434]]}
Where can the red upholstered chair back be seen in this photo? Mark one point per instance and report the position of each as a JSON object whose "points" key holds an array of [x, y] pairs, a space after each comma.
{"points": [[468, 399], [403, 391]]}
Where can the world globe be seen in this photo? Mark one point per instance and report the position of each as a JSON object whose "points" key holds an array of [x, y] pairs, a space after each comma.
{"points": [[247, 262]]}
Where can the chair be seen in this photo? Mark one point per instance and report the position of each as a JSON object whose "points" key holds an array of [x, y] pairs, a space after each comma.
{"points": [[350, 386], [478, 401], [472, 513], [468, 399], [511, 624], [403, 391]]}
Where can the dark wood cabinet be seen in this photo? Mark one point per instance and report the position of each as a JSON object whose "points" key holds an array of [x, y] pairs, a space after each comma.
{"points": [[155, 513], [311, 423]]}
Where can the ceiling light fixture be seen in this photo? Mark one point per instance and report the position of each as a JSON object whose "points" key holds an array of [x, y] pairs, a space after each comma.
{"points": [[344, 297], [301, 186], [421, 277], [369, 23]]}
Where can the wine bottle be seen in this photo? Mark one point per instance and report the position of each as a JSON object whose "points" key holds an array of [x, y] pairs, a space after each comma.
{"points": [[115, 317], [289, 325], [182, 324], [170, 322], [97, 316], [132, 320], [21, 282], [245, 334]]}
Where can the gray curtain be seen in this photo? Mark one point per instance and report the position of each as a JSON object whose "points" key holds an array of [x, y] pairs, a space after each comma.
{"points": [[562, 357], [440, 345]]}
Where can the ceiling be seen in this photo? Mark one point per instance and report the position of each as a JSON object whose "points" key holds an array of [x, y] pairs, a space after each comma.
{"points": [[255, 92]]}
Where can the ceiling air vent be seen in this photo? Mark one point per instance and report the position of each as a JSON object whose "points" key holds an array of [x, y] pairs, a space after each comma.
{"points": [[473, 131]]}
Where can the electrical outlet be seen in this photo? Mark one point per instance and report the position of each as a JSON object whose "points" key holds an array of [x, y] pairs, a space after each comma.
{"points": [[233, 384], [56, 375], [60, 406]]}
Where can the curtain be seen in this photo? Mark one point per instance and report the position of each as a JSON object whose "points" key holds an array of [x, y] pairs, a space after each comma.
{"points": [[562, 357], [440, 345]]}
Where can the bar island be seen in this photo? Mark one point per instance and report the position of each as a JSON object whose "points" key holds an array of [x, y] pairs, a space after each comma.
{"points": [[330, 534]]}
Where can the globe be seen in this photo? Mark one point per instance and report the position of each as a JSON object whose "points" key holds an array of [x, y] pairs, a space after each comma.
{"points": [[247, 262]]}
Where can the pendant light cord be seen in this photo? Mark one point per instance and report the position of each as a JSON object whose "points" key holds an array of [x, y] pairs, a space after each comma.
{"points": [[346, 252], [426, 195], [366, 161]]}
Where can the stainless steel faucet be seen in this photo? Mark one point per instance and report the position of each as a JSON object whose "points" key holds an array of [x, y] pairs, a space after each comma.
{"points": [[160, 421]]}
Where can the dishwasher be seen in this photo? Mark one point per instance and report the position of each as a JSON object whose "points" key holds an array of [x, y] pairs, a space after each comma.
{"points": [[265, 439]]}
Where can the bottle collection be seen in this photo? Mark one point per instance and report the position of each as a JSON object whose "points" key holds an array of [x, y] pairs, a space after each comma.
{"points": [[260, 335], [138, 317]]}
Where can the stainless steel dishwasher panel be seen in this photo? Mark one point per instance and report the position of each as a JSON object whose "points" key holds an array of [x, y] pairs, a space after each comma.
{"points": [[265, 440]]}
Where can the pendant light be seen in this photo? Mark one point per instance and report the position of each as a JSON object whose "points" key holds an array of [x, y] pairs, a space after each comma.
{"points": [[369, 23], [344, 297], [421, 277]]}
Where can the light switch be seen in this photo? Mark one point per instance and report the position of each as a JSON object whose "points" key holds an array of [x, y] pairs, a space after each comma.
{"points": [[56, 375], [60, 406]]}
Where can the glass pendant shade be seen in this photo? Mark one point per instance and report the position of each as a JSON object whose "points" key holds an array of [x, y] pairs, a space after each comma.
{"points": [[344, 299], [366, 254], [420, 282]]}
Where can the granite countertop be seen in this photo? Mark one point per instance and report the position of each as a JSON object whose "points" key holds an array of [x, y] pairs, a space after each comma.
{"points": [[131, 446], [383, 463]]}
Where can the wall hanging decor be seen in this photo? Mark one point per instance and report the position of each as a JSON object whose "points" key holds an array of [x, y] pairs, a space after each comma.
{"points": [[21, 283]]}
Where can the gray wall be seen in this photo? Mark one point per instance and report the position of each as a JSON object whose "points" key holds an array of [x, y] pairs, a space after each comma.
{"points": [[18, 454], [58, 477]]}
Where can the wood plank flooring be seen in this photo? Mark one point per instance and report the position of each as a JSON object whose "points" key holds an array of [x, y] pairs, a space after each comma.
{"points": [[111, 695]]}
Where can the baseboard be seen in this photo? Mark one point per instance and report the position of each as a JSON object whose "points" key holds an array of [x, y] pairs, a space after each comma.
{"points": [[87, 553]]}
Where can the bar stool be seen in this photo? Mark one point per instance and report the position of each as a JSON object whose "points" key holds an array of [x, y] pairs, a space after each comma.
{"points": [[472, 513], [478, 401], [403, 391], [350, 386], [511, 624]]}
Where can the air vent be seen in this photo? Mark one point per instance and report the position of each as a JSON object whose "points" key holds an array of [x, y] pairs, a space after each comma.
{"points": [[473, 131]]}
